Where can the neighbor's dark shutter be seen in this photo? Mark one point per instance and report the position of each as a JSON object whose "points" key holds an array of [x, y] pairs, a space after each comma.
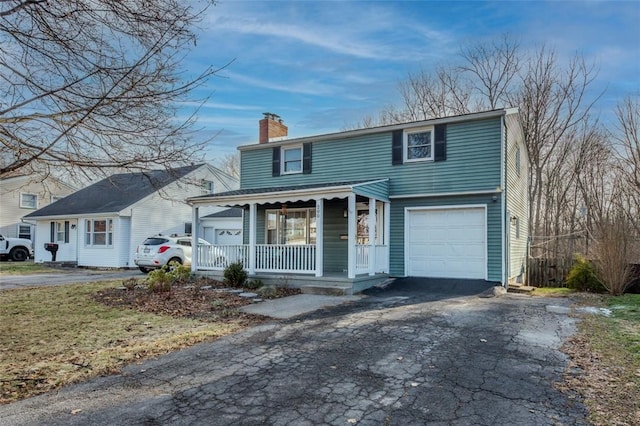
{"points": [[440, 153], [306, 158], [53, 232], [66, 231], [275, 167], [396, 147]]}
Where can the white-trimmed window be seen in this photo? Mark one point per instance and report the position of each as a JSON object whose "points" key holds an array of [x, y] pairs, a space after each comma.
{"points": [[291, 160], [207, 187], [293, 226], [28, 201], [60, 232], [24, 231], [418, 144], [518, 161], [99, 232]]}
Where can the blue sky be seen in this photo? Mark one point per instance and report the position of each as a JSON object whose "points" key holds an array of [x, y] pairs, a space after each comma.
{"points": [[324, 65]]}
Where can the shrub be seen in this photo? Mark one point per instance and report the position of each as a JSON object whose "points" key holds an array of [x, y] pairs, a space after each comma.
{"points": [[159, 280], [179, 273], [253, 284], [582, 276], [235, 275]]}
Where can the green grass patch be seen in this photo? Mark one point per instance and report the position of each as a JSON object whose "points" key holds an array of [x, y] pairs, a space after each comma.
{"points": [[552, 291], [607, 349], [25, 268], [58, 335]]}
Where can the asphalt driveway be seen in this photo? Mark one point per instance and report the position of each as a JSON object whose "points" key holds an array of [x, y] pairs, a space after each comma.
{"points": [[399, 356]]}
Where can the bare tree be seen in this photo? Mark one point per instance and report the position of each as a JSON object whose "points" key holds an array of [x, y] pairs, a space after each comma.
{"points": [[553, 102], [230, 164], [493, 68], [627, 134], [94, 84]]}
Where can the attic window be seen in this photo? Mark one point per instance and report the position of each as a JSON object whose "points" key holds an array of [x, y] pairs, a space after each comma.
{"points": [[28, 201], [207, 187]]}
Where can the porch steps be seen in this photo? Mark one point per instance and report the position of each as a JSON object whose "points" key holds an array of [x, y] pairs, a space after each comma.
{"points": [[520, 289], [327, 290]]}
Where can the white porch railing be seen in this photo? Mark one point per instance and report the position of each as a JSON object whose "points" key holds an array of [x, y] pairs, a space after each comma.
{"points": [[286, 258], [216, 258], [282, 258], [381, 261]]}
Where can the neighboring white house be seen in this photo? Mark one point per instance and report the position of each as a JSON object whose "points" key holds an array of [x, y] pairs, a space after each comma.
{"points": [[23, 194], [101, 225]]}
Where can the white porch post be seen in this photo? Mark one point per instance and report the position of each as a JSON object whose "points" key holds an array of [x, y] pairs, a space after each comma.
{"points": [[194, 238], [319, 236], [372, 236], [387, 234], [351, 235], [253, 228]]}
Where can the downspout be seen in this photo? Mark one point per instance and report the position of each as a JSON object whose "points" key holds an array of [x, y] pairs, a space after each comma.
{"points": [[503, 198]]}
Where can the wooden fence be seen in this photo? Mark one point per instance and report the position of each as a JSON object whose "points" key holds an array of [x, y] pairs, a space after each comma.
{"points": [[545, 272]]}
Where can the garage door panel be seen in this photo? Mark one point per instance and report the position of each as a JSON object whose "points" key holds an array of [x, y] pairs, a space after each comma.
{"points": [[447, 243]]}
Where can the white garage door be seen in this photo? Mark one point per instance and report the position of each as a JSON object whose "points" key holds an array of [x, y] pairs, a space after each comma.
{"points": [[228, 236], [446, 243]]}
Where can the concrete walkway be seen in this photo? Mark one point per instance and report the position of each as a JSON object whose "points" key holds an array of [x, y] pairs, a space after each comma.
{"points": [[292, 306]]}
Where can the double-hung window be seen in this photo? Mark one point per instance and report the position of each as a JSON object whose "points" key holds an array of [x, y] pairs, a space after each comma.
{"points": [[418, 145], [24, 231], [28, 201], [99, 232], [291, 160], [60, 232]]}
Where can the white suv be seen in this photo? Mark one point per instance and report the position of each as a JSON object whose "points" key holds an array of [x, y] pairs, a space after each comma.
{"points": [[160, 250]]}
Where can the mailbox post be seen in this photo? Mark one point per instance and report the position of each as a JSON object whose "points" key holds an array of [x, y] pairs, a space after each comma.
{"points": [[53, 248]]}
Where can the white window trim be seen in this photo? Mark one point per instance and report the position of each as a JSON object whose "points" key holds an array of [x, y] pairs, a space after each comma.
{"points": [[109, 221], [405, 144], [60, 230], [278, 230], [283, 160], [23, 206], [19, 234], [207, 187]]}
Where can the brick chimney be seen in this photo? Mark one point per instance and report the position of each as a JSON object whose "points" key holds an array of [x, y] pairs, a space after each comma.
{"points": [[272, 128]]}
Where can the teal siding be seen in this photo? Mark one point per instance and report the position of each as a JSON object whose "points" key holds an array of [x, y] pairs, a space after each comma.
{"points": [[494, 240], [377, 190], [473, 162]]}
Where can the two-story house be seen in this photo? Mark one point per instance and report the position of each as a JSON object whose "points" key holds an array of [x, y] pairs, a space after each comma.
{"points": [[438, 198], [21, 194]]}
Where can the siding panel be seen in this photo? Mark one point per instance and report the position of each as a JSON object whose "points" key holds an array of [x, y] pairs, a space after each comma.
{"points": [[473, 162]]}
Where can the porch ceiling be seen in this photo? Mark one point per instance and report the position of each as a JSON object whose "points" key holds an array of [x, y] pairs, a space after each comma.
{"points": [[289, 194]]}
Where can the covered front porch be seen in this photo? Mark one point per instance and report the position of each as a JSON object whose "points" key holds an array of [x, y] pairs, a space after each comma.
{"points": [[336, 232]]}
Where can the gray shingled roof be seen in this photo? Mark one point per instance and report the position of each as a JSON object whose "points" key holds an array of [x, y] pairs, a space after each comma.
{"points": [[114, 193], [275, 189], [233, 212]]}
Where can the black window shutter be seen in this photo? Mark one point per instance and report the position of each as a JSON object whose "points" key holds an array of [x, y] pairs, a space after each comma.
{"points": [[66, 231], [53, 232], [306, 158], [275, 168], [440, 149], [396, 147]]}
